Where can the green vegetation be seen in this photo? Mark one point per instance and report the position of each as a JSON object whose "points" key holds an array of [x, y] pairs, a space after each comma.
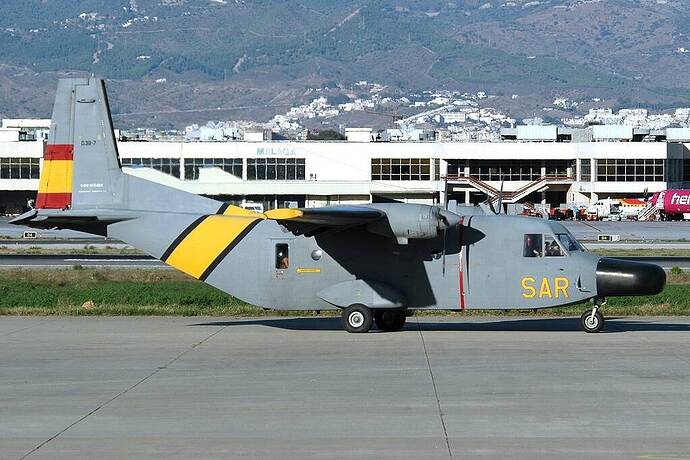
{"points": [[85, 291], [658, 252], [86, 250]]}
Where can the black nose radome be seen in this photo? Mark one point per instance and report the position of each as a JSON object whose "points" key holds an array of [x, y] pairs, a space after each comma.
{"points": [[624, 277]]}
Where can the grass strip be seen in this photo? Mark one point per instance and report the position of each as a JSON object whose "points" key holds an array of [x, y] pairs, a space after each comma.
{"points": [[170, 293]]}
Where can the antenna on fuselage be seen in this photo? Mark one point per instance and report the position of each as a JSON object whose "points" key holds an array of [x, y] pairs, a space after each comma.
{"points": [[500, 199]]}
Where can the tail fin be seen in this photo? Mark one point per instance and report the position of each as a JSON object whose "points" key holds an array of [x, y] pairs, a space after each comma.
{"points": [[81, 167]]}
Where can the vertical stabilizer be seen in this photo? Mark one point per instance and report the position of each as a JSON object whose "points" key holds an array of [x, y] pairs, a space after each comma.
{"points": [[81, 128]]}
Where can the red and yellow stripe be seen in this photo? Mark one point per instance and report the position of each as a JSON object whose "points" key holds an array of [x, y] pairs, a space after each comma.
{"points": [[55, 185]]}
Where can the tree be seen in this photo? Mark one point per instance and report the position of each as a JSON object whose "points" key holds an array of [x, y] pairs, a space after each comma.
{"points": [[326, 135]]}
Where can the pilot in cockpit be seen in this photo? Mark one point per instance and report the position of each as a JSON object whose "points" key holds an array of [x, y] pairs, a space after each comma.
{"points": [[532, 246]]}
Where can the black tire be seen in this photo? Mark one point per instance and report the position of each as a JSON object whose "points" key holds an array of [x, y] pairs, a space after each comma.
{"points": [[390, 320], [589, 324], [357, 318]]}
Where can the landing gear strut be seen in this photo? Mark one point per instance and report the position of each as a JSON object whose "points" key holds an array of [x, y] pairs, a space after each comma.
{"points": [[390, 320], [592, 320]]}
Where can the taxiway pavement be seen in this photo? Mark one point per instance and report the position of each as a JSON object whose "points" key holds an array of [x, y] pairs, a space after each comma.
{"points": [[302, 388]]}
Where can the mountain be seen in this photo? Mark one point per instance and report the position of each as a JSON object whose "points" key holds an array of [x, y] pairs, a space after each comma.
{"points": [[171, 62]]}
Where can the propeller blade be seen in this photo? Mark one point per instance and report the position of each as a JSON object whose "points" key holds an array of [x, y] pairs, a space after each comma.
{"points": [[491, 206], [443, 263]]}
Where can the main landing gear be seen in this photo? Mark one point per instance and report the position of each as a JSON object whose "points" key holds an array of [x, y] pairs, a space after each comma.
{"points": [[360, 318], [592, 320]]}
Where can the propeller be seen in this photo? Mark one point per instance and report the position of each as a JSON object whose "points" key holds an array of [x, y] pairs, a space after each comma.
{"points": [[491, 206], [499, 205], [446, 219]]}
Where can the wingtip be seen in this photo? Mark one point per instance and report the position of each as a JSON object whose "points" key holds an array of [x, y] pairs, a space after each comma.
{"points": [[283, 214]]}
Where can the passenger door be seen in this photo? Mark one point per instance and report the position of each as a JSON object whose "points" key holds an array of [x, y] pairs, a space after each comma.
{"points": [[280, 262]]}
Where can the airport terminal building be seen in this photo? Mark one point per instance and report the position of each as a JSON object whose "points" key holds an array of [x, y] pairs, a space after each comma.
{"points": [[532, 168]]}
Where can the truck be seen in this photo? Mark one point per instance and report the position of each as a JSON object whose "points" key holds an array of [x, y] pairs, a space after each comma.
{"points": [[606, 209], [631, 208]]}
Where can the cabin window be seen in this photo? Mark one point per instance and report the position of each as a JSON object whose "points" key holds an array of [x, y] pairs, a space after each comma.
{"points": [[282, 256], [551, 247], [533, 245]]}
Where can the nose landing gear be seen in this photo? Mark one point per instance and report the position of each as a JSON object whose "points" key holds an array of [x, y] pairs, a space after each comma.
{"points": [[592, 320]]}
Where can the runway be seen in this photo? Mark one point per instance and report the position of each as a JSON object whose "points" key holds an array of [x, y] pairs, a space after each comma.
{"points": [[69, 261], [630, 230], [300, 388]]}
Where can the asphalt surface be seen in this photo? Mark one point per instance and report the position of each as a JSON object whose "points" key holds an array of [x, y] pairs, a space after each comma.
{"points": [[630, 230], [300, 388], [92, 261], [16, 231]]}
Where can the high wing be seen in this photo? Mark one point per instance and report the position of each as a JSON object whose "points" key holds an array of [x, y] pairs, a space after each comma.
{"points": [[311, 221], [394, 220]]}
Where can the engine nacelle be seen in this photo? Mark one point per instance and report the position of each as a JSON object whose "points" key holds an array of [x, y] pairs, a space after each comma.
{"points": [[417, 221]]}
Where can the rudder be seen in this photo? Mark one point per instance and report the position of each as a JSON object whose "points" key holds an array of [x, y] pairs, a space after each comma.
{"points": [[81, 166]]}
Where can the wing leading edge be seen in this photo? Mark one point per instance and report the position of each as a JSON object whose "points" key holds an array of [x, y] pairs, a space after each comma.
{"points": [[310, 221]]}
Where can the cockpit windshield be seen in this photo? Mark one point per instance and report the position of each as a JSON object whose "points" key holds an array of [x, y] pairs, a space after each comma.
{"points": [[569, 242]]}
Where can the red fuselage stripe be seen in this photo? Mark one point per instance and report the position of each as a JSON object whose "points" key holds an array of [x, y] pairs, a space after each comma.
{"points": [[58, 152]]}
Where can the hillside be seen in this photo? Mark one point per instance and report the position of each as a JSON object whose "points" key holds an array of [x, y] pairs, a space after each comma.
{"points": [[238, 59]]}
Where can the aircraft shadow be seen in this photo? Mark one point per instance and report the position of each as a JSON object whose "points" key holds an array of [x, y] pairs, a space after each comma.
{"points": [[613, 325]]}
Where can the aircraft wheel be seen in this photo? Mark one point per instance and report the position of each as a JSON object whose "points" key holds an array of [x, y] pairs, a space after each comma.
{"points": [[357, 318], [590, 323], [390, 320]]}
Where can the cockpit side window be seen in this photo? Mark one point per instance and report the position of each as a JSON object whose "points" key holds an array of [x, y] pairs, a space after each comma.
{"points": [[282, 260], [551, 247], [569, 242], [533, 245]]}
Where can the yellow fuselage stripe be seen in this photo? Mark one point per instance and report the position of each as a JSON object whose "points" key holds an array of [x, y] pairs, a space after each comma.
{"points": [[56, 176], [206, 242]]}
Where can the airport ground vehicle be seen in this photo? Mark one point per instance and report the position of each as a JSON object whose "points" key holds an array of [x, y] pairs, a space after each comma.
{"points": [[606, 209], [631, 208], [375, 262]]}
